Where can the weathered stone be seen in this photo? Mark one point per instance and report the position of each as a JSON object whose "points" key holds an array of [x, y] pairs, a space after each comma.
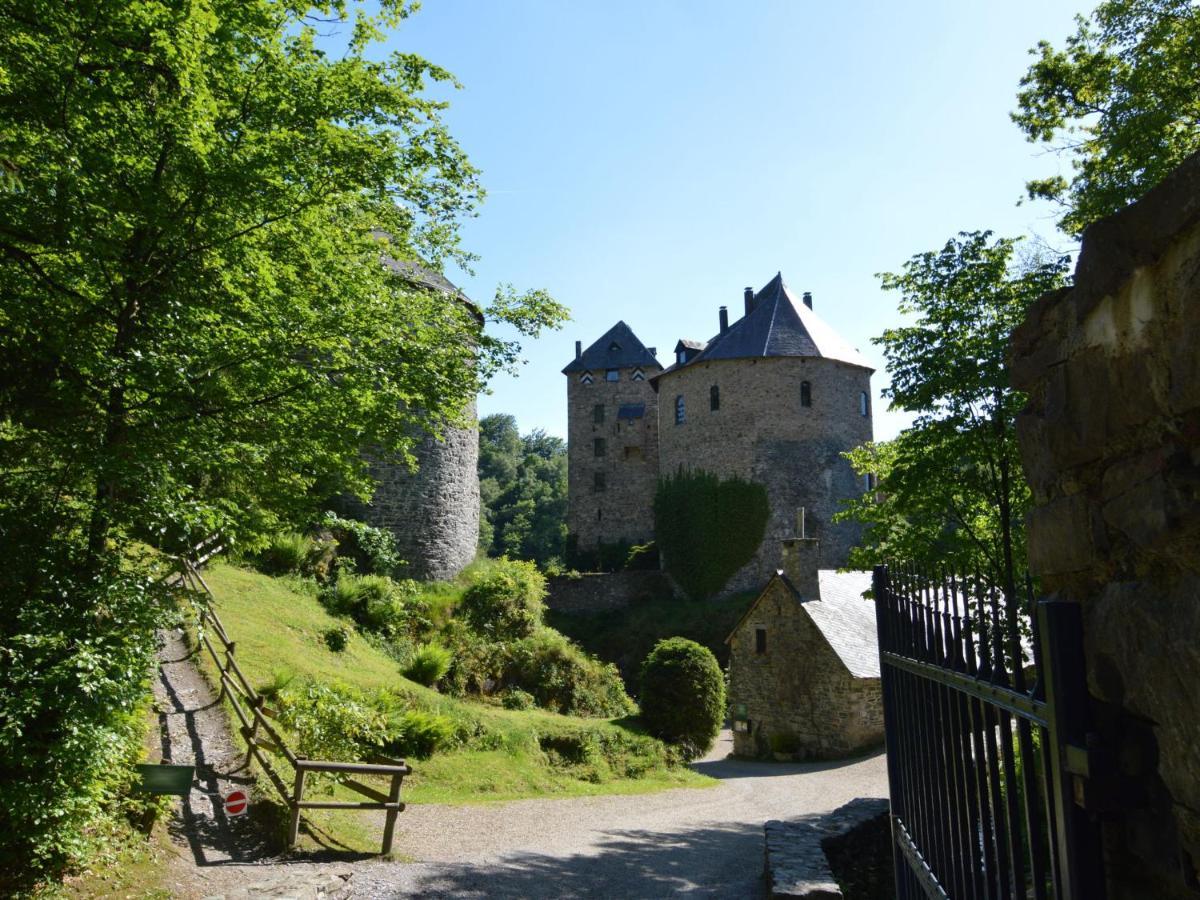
{"points": [[1111, 444], [600, 592], [796, 861]]}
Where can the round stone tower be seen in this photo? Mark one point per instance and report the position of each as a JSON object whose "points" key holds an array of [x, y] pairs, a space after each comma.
{"points": [[774, 398]]}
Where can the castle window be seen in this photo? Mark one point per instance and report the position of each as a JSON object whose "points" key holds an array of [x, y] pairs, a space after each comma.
{"points": [[864, 404], [598, 446], [805, 394], [760, 640], [638, 375], [586, 378], [680, 410], [633, 452], [614, 347], [598, 483], [612, 375], [598, 413], [714, 398]]}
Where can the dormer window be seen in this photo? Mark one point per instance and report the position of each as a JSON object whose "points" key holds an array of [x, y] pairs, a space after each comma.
{"points": [[680, 357], [586, 378], [612, 375], [805, 394], [638, 375]]}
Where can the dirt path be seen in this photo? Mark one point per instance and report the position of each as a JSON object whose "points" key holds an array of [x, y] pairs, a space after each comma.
{"points": [[704, 842]]}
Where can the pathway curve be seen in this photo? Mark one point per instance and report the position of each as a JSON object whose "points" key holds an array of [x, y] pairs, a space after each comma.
{"points": [[703, 842]]}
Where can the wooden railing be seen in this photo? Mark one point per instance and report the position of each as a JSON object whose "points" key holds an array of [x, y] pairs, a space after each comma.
{"points": [[256, 728]]}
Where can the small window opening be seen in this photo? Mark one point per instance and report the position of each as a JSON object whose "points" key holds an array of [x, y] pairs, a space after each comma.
{"points": [[598, 482], [714, 398], [598, 446], [638, 375], [586, 378], [598, 413], [614, 347], [760, 640], [612, 375], [680, 357], [633, 452], [805, 394], [680, 410], [864, 404]]}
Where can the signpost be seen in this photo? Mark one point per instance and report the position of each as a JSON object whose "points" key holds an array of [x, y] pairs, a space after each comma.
{"points": [[236, 803], [165, 779]]}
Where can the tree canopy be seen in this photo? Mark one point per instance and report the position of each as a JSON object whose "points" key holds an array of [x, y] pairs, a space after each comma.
{"points": [[1120, 100], [523, 489], [950, 488], [197, 328]]}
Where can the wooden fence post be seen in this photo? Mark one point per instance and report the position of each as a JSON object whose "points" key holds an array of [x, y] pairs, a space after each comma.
{"points": [[297, 796], [389, 827]]}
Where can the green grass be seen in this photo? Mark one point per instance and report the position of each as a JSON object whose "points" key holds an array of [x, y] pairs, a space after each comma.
{"points": [[278, 626], [626, 636]]}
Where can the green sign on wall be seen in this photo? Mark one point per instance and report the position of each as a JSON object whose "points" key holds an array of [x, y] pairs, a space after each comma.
{"points": [[165, 779]]}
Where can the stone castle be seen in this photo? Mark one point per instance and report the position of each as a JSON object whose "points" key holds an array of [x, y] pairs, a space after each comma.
{"points": [[775, 397]]}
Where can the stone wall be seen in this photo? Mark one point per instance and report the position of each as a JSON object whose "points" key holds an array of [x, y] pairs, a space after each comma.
{"points": [[624, 509], [799, 686], [599, 592], [1111, 446], [434, 511], [761, 433]]}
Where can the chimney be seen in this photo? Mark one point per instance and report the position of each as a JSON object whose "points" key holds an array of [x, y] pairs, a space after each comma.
{"points": [[748, 293], [578, 349], [653, 351], [799, 557], [724, 316], [808, 299]]}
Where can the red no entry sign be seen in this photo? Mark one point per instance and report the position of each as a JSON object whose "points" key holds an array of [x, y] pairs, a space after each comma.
{"points": [[236, 803]]}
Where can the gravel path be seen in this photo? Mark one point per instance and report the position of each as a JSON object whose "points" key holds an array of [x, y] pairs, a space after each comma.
{"points": [[704, 842]]}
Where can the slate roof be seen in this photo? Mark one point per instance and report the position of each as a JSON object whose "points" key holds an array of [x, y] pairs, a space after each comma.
{"points": [[601, 355], [779, 325]]}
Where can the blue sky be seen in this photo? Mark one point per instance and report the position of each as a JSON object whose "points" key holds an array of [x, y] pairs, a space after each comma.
{"points": [[646, 161]]}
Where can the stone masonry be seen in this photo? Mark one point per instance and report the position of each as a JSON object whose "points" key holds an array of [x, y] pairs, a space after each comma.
{"points": [[1111, 445]]}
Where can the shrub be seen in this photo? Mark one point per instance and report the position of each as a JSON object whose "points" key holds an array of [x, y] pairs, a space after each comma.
{"points": [[374, 601], [708, 528], [371, 550], [286, 552], [683, 695], [336, 638], [643, 557], [418, 733], [515, 698], [332, 721], [561, 677], [505, 603], [429, 664]]}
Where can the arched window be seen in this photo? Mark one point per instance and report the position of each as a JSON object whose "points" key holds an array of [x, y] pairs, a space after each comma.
{"points": [[805, 394], [714, 398], [864, 404], [680, 411]]}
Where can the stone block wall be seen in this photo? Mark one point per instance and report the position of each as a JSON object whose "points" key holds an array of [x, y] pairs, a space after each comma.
{"points": [[1111, 445], [799, 686], [604, 591], [433, 512], [624, 509], [761, 433]]}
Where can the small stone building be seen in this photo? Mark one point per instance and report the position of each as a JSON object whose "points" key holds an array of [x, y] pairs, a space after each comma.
{"points": [[804, 663]]}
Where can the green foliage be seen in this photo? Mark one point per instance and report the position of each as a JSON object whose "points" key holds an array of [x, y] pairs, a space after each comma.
{"points": [[515, 698], [951, 490], [429, 664], [375, 602], [506, 602], [707, 528], [337, 638], [642, 558], [563, 678], [785, 742], [420, 734], [371, 550], [1119, 100], [331, 721], [286, 552], [523, 490], [683, 695]]}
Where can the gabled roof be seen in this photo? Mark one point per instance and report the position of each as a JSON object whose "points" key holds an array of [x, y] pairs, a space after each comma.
{"points": [[844, 618], [778, 325], [617, 348]]}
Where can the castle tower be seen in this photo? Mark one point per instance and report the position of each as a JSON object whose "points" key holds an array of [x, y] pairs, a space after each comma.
{"points": [[774, 398], [612, 440]]}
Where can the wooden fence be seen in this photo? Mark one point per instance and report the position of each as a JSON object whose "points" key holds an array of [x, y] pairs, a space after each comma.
{"points": [[256, 728]]}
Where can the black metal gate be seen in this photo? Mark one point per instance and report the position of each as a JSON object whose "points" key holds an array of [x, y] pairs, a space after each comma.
{"points": [[985, 712]]}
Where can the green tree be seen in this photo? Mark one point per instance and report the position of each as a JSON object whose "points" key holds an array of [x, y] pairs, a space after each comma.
{"points": [[951, 491], [683, 695], [1120, 100], [523, 488], [196, 330]]}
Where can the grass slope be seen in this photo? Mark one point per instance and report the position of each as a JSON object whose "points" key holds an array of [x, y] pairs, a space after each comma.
{"points": [[278, 625]]}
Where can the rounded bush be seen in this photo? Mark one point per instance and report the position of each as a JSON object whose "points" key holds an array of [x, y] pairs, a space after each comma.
{"points": [[336, 638], [683, 695], [429, 663], [506, 602], [563, 678]]}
